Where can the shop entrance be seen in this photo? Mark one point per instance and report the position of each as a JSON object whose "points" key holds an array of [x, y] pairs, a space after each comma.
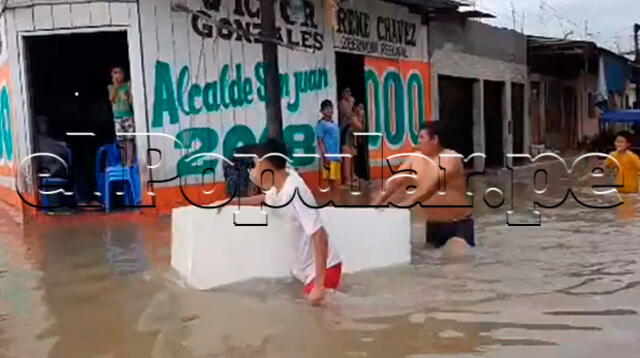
{"points": [[494, 131], [456, 108], [350, 74], [517, 112], [67, 84]]}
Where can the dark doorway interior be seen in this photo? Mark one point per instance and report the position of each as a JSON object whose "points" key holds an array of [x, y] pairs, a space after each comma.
{"points": [[456, 108], [536, 116], [493, 127], [570, 124], [68, 78], [350, 73], [517, 110]]}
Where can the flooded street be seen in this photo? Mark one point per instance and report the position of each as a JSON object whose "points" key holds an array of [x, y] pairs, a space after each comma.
{"points": [[74, 287]]}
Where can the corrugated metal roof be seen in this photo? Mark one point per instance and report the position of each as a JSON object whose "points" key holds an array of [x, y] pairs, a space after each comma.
{"points": [[539, 41], [427, 5], [24, 3]]}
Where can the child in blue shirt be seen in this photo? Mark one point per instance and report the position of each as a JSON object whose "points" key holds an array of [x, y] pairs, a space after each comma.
{"points": [[328, 133]]}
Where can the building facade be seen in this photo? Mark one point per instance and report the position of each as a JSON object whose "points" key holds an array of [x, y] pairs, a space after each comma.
{"points": [[481, 76], [199, 88]]}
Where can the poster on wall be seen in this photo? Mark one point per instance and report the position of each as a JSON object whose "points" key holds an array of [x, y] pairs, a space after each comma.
{"points": [[376, 28], [398, 100]]}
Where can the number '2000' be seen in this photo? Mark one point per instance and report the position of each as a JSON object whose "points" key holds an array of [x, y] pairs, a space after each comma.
{"points": [[398, 107]]}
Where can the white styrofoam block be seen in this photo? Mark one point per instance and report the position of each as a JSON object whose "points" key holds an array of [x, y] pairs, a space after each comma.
{"points": [[208, 249], [368, 238]]}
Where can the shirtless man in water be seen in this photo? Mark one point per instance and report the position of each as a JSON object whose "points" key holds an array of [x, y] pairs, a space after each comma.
{"points": [[420, 180]]}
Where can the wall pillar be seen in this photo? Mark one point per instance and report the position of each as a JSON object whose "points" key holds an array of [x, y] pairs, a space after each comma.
{"points": [[478, 124], [435, 95], [507, 124], [543, 112], [527, 140]]}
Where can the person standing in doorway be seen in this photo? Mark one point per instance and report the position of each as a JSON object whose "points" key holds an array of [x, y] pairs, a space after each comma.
{"points": [[349, 145], [345, 117], [328, 134], [122, 104], [345, 107]]}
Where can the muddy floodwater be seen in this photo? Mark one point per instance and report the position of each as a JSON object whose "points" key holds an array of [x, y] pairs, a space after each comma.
{"points": [[102, 287]]}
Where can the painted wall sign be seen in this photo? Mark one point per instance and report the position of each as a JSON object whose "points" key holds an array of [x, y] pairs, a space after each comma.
{"points": [[206, 86], [6, 120], [299, 138], [232, 90], [398, 100], [244, 15], [237, 91], [379, 29]]}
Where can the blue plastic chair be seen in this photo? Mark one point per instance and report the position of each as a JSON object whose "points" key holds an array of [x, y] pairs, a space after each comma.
{"points": [[114, 173], [107, 156], [53, 201], [118, 175]]}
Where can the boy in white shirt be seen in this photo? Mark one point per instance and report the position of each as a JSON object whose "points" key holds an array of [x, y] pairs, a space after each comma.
{"points": [[319, 266]]}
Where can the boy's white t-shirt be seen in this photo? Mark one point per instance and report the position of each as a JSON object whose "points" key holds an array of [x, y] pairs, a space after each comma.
{"points": [[305, 221]]}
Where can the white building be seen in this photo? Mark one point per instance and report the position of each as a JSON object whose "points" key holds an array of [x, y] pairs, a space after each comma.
{"points": [[199, 89]]}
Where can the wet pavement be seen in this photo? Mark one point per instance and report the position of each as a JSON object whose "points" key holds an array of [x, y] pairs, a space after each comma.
{"points": [[100, 287]]}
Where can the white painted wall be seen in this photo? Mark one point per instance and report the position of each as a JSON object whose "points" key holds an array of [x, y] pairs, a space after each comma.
{"points": [[168, 37], [384, 10], [30, 18], [8, 115], [158, 34]]}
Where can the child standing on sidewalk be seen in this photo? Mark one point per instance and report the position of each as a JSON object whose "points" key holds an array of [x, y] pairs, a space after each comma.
{"points": [[328, 133]]}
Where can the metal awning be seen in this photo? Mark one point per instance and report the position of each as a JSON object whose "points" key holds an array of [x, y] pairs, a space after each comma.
{"points": [[428, 5], [631, 116], [449, 9], [547, 45]]}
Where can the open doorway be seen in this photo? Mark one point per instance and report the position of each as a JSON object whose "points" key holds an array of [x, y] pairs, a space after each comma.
{"points": [[350, 74], [68, 79], [456, 108], [517, 113], [494, 131]]}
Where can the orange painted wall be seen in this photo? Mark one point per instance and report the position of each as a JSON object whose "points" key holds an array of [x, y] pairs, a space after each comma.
{"points": [[8, 169]]}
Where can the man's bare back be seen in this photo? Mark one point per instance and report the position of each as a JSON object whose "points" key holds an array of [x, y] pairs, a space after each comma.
{"points": [[446, 174], [452, 190], [434, 177]]}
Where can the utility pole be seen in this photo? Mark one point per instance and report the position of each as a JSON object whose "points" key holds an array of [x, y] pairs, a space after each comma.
{"points": [[636, 30], [513, 15], [273, 101], [586, 29]]}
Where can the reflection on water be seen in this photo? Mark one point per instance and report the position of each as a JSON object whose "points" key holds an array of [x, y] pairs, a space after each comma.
{"points": [[627, 211], [124, 249], [104, 289]]}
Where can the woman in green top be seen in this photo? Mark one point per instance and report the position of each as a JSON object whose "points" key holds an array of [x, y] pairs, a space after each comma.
{"points": [[121, 102]]}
